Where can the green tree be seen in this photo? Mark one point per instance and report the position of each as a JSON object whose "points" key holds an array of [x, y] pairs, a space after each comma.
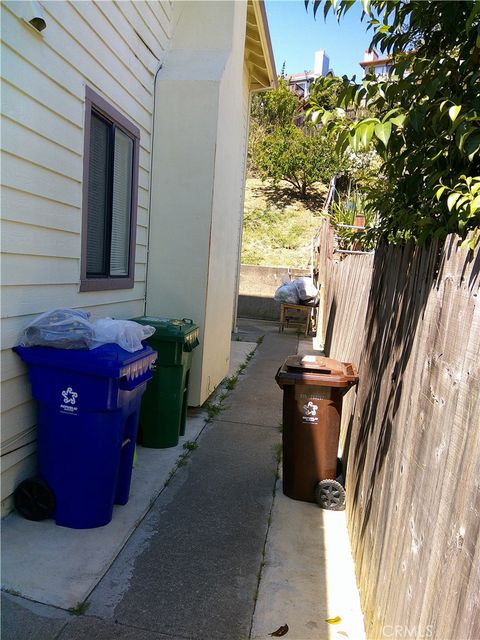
{"points": [[269, 110], [276, 108], [299, 157], [280, 150], [325, 91], [426, 127]]}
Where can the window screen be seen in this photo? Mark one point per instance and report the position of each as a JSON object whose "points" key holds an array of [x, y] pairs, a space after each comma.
{"points": [[97, 196], [109, 197], [121, 204]]}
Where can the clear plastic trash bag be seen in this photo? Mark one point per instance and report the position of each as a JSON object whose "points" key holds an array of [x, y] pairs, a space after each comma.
{"points": [[73, 329], [287, 293], [60, 328]]}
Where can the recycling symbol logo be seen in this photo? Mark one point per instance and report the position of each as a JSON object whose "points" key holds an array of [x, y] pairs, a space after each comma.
{"points": [[310, 409], [69, 396]]}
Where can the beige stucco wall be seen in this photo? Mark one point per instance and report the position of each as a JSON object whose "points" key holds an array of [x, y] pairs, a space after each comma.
{"points": [[197, 181]]}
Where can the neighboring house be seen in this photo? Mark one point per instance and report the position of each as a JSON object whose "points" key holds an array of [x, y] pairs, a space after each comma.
{"points": [[373, 63], [124, 140], [299, 83]]}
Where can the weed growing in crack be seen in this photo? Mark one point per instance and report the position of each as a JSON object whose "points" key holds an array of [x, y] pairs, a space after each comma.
{"points": [[213, 410], [79, 609], [278, 452], [170, 476], [182, 460], [231, 383], [278, 459], [260, 339]]}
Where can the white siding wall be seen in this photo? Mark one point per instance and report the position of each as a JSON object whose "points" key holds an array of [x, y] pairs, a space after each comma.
{"points": [[115, 48]]}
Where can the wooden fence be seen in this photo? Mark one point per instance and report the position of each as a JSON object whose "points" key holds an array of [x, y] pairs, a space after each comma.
{"points": [[412, 434], [344, 290]]}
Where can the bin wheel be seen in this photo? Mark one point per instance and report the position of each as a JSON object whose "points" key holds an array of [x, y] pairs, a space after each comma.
{"points": [[34, 499], [330, 494]]}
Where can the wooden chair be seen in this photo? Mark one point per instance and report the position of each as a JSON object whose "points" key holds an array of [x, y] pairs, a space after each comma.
{"points": [[296, 315]]}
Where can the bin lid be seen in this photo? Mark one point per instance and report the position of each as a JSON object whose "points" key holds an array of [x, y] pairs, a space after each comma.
{"points": [[171, 329], [317, 370], [108, 360]]}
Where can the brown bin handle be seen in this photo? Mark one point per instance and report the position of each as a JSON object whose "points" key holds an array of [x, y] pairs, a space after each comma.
{"points": [[277, 375], [351, 372]]}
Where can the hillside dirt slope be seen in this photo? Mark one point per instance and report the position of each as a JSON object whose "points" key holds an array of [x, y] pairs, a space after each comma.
{"points": [[278, 224]]}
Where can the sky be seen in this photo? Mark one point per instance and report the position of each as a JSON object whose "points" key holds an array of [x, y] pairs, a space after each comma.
{"points": [[296, 35]]}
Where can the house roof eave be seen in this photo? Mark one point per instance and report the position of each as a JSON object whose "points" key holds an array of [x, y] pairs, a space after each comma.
{"points": [[258, 48], [377, 62]]}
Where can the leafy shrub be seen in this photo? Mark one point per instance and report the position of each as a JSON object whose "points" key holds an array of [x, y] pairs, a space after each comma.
{"points": [[426, 115]]}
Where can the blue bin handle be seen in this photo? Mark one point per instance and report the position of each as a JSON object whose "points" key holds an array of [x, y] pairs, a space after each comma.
{"points": [[187, 320], [129, 384]]}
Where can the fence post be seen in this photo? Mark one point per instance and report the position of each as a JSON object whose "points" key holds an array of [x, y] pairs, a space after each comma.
{"points": [[324, 252]]}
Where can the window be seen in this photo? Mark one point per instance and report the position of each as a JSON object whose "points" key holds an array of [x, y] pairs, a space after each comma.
{"points": [[110, 184]]}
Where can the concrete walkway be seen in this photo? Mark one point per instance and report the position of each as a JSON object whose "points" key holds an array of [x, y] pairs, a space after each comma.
{"points": [[220, 553]]}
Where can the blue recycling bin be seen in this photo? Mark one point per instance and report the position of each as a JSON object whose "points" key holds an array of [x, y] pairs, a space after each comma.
{"points": [[88, 411]]}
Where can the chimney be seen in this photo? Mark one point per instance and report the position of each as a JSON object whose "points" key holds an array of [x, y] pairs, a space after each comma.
{"points": [[322, 63], [370, 55]]}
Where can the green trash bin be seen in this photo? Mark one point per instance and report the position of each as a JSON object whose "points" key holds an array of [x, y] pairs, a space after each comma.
{"points": [[164, 404]]}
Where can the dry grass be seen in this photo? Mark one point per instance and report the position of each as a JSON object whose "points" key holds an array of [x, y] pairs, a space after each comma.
{"points": [[278, 224]]}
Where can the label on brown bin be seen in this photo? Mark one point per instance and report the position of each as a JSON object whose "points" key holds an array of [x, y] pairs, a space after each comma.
{"points": [[321, 393], [309, 402], [310, 412]]}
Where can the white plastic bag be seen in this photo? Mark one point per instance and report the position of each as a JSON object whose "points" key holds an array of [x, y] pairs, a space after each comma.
{"points": [[60, 328], [287, 293], [126, 333], [305, 288]]}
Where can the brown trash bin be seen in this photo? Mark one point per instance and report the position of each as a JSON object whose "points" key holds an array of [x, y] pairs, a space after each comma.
{"points": [[313, 388]]}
